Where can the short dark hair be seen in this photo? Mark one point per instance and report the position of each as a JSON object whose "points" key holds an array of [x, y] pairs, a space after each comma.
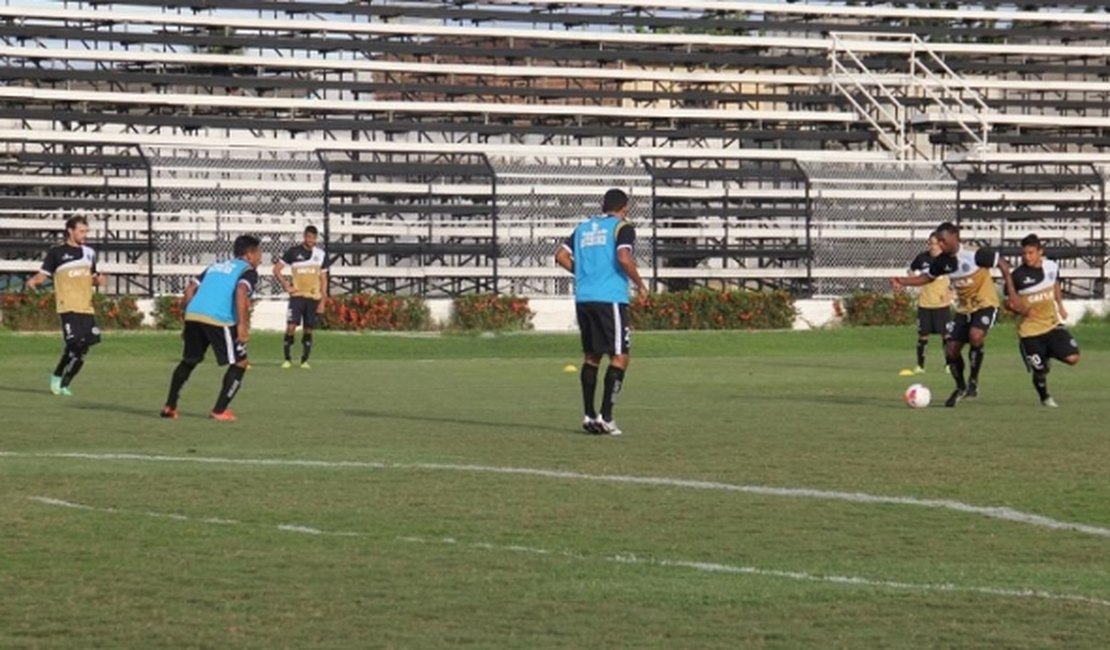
{"points": [[311, 230], [245, 244], [73, 222], [614, 200], [1032, 240], [947, 228]]}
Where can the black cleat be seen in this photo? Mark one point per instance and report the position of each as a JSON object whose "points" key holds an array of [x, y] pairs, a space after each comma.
{"points": [[972, 390], [955, 397], [589, 425]]}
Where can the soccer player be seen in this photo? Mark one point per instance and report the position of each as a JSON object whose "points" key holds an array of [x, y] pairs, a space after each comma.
{"points": [[933, 303], [1041, 315], [72, 266], [307, 292], [599, 254], [217, 315], [977, 303]]}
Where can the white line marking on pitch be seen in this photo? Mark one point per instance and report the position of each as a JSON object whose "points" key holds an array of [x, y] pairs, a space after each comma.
{"points": [[619, 558], [993, 512]]}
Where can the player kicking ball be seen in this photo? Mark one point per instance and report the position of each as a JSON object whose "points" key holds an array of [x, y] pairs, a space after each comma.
{"points": [[217, 316], [1041, 316], [73, 269], [599, 254], [976, 308], [307, 291]]}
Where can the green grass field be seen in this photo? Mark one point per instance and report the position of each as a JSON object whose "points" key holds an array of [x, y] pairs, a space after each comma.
{"points": [[452, 500]]}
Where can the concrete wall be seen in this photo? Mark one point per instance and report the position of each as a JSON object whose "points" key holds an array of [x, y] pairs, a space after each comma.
{"points": [[557, 314]]}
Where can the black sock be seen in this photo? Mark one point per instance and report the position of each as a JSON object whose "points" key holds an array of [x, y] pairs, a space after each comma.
{"points": [[306, 346], [233, 380], [73, 365], [180, 376], [588, 378], [60, 369], [614, 378], [289, 346], [921, 345], [1040, 382], [975, 356], [956, 367]]}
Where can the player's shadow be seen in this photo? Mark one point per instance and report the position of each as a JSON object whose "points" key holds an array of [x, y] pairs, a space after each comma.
{"points": [[23, 389], [408, 417], [126, 410], [825, 400]]}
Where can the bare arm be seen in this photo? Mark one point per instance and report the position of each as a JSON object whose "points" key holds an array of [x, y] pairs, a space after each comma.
{"points": [[279, 275], [564, 259], [323, 292], [1012, 299], [1060, 309], [243, 313], [36, 280], [190, 291], [628, 263], [911, 281]]}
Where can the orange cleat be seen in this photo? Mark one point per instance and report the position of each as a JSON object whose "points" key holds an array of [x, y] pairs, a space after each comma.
{"points": [[226, 416], [169, 412]]}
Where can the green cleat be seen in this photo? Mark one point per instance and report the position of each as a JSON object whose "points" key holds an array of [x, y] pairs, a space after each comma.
{"points": [[286, 365], [56, 385], [66, 392], [305, 366]]}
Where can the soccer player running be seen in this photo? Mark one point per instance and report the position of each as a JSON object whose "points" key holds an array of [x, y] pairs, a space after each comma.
{"points": [[217, 315], [307, 291], [72, 266], [1041, 316], [599, 254], [977, 306], [933, 303]]}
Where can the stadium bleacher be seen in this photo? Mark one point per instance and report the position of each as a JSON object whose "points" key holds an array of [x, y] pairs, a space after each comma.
{"points": [[395, 115]]}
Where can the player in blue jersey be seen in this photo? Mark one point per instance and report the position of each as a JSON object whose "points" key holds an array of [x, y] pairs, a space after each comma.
{"points": [[599, 254], [217, 315]]}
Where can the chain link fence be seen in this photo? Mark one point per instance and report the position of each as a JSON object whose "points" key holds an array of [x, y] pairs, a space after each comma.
{"points": [[427, 217], [541, 201], [869, 220], [203, 199]]}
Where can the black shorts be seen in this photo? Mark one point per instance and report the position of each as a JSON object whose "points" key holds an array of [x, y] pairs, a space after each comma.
{"points": [[933, 320], [959, 328], [80, 330], [199, 336], [1056, 343], [604, 328], [302, 311]]}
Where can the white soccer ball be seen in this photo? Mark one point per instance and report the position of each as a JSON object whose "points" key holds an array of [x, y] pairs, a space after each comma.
{"points": [[917, 396]]}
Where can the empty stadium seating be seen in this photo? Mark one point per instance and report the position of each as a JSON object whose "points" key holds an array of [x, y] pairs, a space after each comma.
{"points": [[418, 132]]}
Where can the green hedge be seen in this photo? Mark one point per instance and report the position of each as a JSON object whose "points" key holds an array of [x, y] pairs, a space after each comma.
{"points": [[487, 312], [706, 309], [35, 312], [870, 308], [377, 312]]}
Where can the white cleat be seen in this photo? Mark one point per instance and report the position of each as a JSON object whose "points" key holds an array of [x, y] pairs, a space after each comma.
{"points": [[589, 425], [1050, 403], [607, 428]]}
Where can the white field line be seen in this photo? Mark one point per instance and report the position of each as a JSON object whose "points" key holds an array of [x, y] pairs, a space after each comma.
{"points": [[993, 512], [619, 558]]}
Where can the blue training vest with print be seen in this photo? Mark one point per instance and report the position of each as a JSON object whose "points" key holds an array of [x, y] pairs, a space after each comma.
{"points": [[598, 275], [214, 301]]}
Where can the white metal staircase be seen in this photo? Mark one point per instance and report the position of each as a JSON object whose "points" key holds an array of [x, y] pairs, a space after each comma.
{"points": [[928, 91]]}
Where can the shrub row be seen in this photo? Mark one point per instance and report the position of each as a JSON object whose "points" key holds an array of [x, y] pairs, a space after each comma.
{"points": [[35, 311], [699, 309], [706, 309]]}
